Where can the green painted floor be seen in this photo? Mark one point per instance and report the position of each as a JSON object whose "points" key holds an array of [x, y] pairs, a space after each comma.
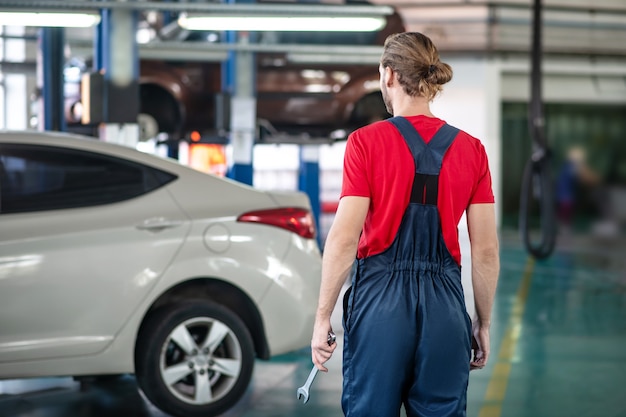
{"points": [[558, 350], [558, 343]]}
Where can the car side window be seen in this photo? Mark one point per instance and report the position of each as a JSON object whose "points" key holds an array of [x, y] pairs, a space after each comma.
{"points": [[37, 177]]}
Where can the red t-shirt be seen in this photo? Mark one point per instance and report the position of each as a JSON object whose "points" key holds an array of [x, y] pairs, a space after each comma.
{"points": [[378, 164]]}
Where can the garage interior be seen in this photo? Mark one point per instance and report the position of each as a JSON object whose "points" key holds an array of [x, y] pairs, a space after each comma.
{"points": [[559, 325]]}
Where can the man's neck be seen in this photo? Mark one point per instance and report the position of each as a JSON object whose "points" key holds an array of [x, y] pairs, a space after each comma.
{"points": [[412, 106]]}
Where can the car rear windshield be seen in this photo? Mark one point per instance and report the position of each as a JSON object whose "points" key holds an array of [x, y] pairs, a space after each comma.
{"points": [[38, 177]]}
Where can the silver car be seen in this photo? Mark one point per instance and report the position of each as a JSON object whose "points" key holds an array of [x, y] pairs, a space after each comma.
{"points": [[114, 261]]}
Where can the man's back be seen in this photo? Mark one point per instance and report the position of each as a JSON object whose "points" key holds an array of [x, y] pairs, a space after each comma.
{"points": [[379, 165]]}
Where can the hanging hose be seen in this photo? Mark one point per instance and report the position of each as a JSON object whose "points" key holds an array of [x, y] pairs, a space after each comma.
{"points": [[537, 185], [537, 179]]}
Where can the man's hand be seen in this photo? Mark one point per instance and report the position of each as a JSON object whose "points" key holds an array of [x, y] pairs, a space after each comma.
{"points": [[480, 346], [321, 351]]}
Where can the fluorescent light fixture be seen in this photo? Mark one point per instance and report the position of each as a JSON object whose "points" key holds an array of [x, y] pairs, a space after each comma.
{"points": [[77, 20], [283, 23]]}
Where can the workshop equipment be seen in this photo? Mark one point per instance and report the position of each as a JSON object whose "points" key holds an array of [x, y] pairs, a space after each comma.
{"points": [[303, 391]]}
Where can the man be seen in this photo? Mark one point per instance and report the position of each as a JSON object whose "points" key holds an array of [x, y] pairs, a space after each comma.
{"points": [[407, 182]]}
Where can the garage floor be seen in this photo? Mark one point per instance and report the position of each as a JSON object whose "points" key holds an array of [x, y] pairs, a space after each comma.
{"points": [[559, 337]]}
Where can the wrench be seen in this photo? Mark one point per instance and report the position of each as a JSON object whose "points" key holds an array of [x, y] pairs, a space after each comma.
{"points": [[303, 391]]}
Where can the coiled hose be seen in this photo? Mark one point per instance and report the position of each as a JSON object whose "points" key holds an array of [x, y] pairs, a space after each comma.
{"points": [[537, 182], [537, 185]]}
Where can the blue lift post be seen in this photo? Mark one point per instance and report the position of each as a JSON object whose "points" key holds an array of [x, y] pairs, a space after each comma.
{"points": [[51, 62], [238, 82], [116, 55], [309, 179]]}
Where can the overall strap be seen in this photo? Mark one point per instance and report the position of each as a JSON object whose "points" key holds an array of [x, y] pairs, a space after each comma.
{"points": [[427, 157]]}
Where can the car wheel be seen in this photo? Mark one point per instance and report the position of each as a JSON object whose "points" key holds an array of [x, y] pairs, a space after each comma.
{"points": [[194, 359], [162, 107], [369, 109]]}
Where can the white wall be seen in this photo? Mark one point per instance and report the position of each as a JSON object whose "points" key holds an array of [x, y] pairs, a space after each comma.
{"points": [[471, 102]]}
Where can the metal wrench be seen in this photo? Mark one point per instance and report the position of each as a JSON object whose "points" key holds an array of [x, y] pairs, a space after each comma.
{"points": [[303, 391]]}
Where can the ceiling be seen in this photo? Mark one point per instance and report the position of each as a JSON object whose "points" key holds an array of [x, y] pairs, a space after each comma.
{"points": [[570, 27], [575, 27]]}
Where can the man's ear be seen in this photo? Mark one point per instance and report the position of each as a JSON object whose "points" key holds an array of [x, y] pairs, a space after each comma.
{"points": [[389, 76]]}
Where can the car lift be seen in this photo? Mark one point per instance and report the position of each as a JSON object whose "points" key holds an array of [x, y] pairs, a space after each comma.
{"points": [[114, 84], [50, 83]]}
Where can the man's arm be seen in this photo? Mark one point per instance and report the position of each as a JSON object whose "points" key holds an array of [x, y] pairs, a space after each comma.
{"points": [[481, 222], [339, 254]]}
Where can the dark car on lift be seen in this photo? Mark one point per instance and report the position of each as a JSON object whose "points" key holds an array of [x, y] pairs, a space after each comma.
{"points": [[314, 98]]}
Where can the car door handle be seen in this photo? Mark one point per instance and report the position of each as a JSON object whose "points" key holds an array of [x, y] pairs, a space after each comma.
{"points": [[156, 224]]}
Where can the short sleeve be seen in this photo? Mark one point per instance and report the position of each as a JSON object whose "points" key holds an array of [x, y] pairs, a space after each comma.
{"points": [[483, 192], [355, 181]]}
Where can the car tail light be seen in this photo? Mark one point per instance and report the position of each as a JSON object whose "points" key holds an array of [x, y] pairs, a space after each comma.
{"points": [[297, 220]]}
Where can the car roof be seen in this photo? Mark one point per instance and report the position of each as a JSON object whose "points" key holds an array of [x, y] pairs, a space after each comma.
{"points": [[86, 143]]}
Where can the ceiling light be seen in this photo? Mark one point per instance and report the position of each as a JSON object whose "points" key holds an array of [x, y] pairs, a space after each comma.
{"points": [[282, 23], [49, 19]]}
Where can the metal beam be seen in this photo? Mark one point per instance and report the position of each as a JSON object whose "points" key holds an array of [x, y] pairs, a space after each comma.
{"points": [[562, 5], [598, 68], [201, 51], [27, 67]]}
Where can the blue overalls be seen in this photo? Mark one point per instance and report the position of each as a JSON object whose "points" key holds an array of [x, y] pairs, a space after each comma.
{"points": [[407, 333]]}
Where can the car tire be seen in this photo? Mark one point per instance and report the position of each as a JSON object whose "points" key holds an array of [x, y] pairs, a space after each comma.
{"points": [[159, 104], [194, 359], [371, 108]]}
